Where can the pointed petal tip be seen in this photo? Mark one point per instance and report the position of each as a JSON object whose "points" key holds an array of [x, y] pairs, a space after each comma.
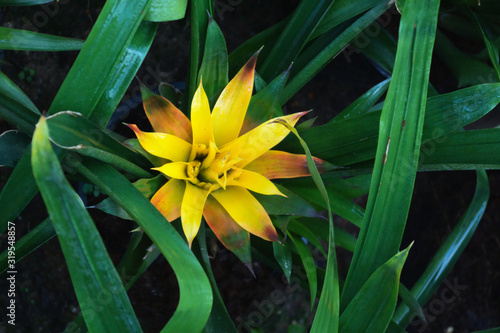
{"points": [[250, 268], [271, 234]]}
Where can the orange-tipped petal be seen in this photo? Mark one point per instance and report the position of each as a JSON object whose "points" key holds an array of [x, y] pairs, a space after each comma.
{"points": [[200, 118], [247, 212], [259, 140], [255, 182], [231, 107], [279, 164], [168, 199], [163, 145], [192, 209], [164, 116], [235, 238]]}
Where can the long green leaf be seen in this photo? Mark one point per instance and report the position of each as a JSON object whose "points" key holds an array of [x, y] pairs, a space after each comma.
{"points": [[25, 40], [92, 272], [293, 38], [329, 52], [194, 286], [371, 309], [396, 161], [449, 252], [12, 146]]}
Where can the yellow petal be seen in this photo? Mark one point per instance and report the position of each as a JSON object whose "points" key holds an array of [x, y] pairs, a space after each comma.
{"points": [[192, 210], [231, 107], [255, 182], [163, 145], [164, 116], [279, 164], [177, 170], [246, 211], [259, 140], [168, 199], [200, 118]]}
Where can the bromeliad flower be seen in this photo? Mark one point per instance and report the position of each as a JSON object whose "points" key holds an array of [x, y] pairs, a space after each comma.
{"points": [[212, 170]]}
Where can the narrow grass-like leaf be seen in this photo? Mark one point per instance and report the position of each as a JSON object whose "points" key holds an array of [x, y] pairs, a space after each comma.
{"points": [[199, 23], [449, 252], [293, 38], [194, 286], [309, 266], [292, 204], [396, 161], [25, 40], [23, 2], [214, 66], [327, 313], [283, 256], [363, 104], [372, 308], [92, 272], [9, 90], [219, 320], [490, 45], [328, 53], [166, 10]]}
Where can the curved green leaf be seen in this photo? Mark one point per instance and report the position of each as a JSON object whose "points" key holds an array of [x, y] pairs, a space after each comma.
{"points": [[92, 272], [449, 252], [194, 286]]}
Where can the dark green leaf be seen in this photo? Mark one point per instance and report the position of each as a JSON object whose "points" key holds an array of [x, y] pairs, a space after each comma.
{"points": [[12, 146], [25, 40], [398, 147], [92, 272]]}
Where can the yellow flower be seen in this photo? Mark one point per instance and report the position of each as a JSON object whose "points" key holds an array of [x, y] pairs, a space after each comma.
{"points": [[211, 169]]}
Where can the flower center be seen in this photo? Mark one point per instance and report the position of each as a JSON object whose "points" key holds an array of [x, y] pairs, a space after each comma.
{"points": [[210, 168]]}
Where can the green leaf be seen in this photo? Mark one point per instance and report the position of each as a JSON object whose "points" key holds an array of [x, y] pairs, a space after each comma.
{"points": [[363, 104], [265, 104], [166, 10], [326, 54], [396, 160], [92, 272], [463, 150], [8, 89], [12, 146], [445, 258], [214, 66], [25, 40], [293, 38], [100, 56], [309, 266], [327, 313], [292, 204], [283, 255], [490, 44], [467, 70], [124, 71], [194, 286], [372, 308]]}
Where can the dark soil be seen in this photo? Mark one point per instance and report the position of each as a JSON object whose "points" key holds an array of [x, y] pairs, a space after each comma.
{"points": [[45, 299]]}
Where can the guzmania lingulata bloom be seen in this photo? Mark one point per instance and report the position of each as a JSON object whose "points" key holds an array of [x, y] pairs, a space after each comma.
{"points": [[211, 169]]}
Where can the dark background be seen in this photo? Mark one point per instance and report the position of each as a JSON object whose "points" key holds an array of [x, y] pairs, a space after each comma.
{"points": [[45, 298]]}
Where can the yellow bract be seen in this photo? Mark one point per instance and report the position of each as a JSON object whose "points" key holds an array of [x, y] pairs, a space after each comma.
{"points": [[209, 159]]}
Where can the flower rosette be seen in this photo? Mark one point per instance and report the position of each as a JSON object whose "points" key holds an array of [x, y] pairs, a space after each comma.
{"points": [[212, 167]]}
